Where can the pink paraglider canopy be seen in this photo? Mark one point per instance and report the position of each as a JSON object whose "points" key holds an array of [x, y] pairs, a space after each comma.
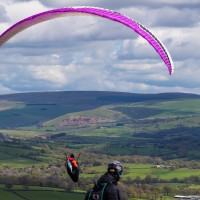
{"points": [[114, 16]]}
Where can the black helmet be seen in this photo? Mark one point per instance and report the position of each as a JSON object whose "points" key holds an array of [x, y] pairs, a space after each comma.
{"points": [[115, 167], [72, 155]]}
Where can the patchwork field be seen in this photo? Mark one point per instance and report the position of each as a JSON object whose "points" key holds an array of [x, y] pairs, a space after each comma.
{"points": [[38, 131], [39, 193]]}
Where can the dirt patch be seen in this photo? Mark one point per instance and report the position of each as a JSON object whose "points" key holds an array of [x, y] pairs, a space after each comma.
{"points": [[4, 108], [84, 120]]}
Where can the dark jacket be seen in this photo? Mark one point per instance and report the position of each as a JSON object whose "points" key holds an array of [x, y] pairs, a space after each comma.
{"points": [[111, 191]]}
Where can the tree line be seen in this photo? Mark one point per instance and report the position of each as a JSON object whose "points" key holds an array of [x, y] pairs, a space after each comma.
{"points": [[55, 176]]}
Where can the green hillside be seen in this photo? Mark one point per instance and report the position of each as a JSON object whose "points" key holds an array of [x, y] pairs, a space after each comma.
{"points": [[165, 125], [34, 108], [155, 115], [38, 130]]}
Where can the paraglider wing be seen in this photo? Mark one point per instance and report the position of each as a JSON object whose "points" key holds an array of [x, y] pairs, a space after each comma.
{"points": [[114, 16]]}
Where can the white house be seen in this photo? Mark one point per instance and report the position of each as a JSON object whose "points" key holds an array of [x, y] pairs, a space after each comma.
{"points": [[192, 197]]}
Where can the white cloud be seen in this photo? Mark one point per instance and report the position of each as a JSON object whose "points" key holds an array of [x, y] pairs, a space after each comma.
{"points": [[177, 18], [3, 15], [97, 54], [112, 4], [182, 43], [53, 74], [19, 10]]}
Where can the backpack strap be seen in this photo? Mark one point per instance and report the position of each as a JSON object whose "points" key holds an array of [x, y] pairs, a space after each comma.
{"points": [[90, 194], [96, 185], [102, 192]]}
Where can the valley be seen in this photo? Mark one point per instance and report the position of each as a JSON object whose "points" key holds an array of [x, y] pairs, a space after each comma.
{"points": [[142, 131]]}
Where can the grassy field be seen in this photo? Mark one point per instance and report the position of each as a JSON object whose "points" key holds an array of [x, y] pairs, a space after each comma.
{"points": [[165, 128], [6, 105], [142, 170], [134, 170], [50, 195], [39, 193], [21, 133], [42, 193]]}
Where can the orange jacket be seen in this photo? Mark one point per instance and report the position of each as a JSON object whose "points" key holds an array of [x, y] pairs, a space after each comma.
{"points": [[73, 161]]}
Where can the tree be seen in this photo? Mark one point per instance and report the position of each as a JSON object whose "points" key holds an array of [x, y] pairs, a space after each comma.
{"points": [[25, 181], [148, 179], [122, 191], [8, 185], [167, 189]]}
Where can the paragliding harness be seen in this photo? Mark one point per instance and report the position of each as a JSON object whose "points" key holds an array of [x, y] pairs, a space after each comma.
{"points": [[73, 172], [97, 192]]}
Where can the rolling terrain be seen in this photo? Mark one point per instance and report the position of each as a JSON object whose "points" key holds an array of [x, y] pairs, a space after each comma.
{"points": [[37, 131], [165, 125], [25, 109]]}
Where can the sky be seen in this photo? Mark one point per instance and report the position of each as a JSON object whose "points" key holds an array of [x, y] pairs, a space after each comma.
{"points": [[87, 53]]}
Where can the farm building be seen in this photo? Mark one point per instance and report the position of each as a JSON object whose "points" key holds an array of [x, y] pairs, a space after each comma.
{"points": [[191, 197], [162, 166]]}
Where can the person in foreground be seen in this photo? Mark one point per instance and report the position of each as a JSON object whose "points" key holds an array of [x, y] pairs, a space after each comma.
{"points": [[106, 187]]}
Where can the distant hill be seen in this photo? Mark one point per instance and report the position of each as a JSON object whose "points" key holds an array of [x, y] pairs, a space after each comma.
{"points": [[36, 107], [165, 125], [92, 98]]}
